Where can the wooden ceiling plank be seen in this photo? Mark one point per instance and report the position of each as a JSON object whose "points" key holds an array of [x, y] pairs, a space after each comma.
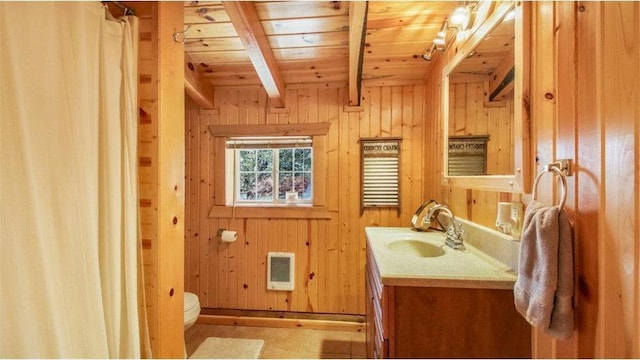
{"points": [[378, 8], [246, 21], [330, 39], [198, 88], [299, 9], [308, 25], [213, 44], [197, 31], [357, 21], [316, 54], [404, 20], [205, 14], [272, 27], [233, 81], [214, 57], [334, 38]]}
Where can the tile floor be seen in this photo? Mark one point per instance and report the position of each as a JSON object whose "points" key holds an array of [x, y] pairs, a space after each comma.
{"points": [[286, 343]]}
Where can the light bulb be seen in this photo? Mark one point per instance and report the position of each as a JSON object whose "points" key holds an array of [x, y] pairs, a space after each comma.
{"points": [[438, 41], [459, 15]]}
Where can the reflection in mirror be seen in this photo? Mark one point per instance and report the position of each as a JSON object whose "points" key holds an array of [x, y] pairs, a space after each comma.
{"points": [[481, 105], [482, 111]]}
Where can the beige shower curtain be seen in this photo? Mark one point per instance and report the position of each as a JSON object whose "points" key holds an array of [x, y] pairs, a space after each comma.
{"points": [[68, 183]]}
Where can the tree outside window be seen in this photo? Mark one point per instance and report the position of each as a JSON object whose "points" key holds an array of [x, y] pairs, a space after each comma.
{"points": [[266, 175]]}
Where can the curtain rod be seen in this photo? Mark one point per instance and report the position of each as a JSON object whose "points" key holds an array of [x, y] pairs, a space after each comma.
{"points": [[125, 9]]}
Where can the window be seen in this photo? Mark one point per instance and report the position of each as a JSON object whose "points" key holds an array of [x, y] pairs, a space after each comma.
{"points": [[277, 158], [270, 170]]}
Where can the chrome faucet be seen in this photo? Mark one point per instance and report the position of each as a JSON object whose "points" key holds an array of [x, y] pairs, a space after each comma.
{"points": [[454, 231]]}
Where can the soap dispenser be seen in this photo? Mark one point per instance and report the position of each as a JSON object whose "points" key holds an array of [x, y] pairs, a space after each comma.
{"points": [[509, 218]]}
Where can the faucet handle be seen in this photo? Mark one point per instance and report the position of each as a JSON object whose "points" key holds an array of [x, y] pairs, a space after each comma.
{"points": [[454, 236]]}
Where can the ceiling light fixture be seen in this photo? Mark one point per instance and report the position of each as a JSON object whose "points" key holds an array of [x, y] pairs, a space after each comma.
{"points": [[459, 15], [428, 55], [443, 31]]}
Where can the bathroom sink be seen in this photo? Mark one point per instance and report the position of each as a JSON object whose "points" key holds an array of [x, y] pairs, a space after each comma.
{"points": [[415, 248]]}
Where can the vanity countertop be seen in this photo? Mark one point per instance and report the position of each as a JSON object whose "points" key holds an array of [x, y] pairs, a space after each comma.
{"points": [[469, 268]]}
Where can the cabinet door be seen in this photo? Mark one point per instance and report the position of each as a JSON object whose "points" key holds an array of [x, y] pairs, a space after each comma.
{"points": [[369, 314], [377, 343]]}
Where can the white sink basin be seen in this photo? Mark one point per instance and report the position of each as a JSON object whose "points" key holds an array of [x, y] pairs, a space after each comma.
{"points": [[415, 248], [404, 257]]}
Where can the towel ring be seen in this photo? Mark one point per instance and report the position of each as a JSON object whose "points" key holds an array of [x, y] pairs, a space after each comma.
{"points": [[557, 171]]}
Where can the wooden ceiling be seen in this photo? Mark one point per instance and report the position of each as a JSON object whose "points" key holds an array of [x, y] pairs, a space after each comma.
{"points": [[303, 42]]}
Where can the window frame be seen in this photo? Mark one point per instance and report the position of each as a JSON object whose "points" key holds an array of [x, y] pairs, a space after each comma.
{"points": [[233, 173], [221, 208]]}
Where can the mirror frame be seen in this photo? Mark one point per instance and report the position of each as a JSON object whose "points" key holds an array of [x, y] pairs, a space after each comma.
{"points": [[520, 181]]}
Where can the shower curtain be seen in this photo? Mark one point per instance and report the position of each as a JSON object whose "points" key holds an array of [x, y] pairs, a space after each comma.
{"points": [[69, 242]]}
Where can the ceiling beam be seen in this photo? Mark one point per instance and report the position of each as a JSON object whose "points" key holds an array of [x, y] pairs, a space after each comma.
{"points": [[197, 87], [357, 22], [245, 20]]}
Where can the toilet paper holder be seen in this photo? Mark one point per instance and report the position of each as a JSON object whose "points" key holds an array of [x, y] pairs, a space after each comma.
{"points": [[227, 236]]}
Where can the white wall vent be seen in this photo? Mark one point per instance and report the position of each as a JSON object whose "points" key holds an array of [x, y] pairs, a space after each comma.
{"points": [[281, 271]]}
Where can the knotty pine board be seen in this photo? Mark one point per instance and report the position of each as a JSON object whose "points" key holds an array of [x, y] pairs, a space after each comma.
{"points": [[329, 253]]}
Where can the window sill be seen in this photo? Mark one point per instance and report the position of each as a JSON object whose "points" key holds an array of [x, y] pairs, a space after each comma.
{"points": [[271, 212]]}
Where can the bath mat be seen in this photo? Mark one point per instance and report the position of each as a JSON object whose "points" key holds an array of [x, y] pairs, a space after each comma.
{"points": [[228, 348]]}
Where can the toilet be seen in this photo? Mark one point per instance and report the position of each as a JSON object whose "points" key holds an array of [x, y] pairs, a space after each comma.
{"points": [[191, 309]]}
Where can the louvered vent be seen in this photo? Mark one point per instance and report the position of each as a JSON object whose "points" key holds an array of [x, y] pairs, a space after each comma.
{"points": [[380, 183], [381, 173], [467, 155]]}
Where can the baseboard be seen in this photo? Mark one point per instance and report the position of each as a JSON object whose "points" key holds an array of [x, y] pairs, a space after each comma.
{"points": [[282, 320]]}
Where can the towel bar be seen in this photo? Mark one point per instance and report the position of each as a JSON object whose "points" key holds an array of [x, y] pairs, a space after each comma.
{"points": [[562, 168]]}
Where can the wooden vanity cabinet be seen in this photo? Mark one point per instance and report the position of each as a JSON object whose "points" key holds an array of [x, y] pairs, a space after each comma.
{"points": [[434, 322]]}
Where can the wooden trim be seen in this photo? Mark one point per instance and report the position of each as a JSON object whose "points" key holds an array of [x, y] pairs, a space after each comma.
{"points": [[319, 170], [169, 281], [198, 88], [357, 20], [282, 314], [270, 212], [281, 110], [523, 161], [281, 323], [245, 20], [312, 129]]}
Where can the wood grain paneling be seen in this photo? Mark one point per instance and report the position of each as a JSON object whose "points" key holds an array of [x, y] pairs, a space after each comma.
{"points": [[586, 71], [329, 252], [161, 183], [585, 76], [470, 113]]}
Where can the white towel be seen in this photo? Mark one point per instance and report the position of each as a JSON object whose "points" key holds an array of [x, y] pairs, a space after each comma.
{"points": [[544, 288]]}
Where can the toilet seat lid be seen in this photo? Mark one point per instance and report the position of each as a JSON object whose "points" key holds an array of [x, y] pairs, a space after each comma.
{"points": [[190, 301]]}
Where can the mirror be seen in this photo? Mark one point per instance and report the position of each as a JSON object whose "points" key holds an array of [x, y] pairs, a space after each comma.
{"points": [[485, 145]]}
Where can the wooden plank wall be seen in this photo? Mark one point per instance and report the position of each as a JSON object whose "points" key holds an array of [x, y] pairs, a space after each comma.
{"points": [[584, 105], [330, 254], [471, 114], [586, 86], [148, 159], [161, 183]]}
